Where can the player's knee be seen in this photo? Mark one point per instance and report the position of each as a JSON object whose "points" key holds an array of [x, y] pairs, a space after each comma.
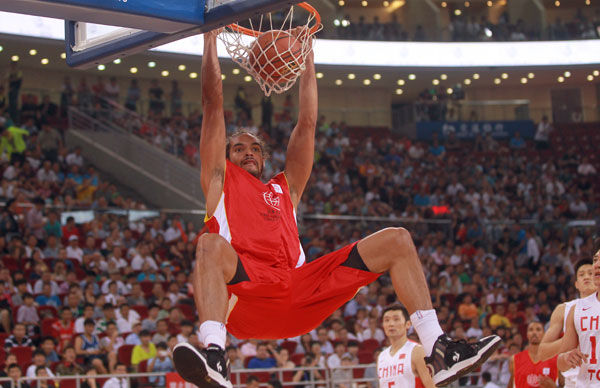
{"points": [[398, 237], [210, 246]]}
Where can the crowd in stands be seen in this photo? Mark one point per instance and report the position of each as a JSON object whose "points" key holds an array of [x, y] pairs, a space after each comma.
{"points": [[112, 295], [466, 28]]}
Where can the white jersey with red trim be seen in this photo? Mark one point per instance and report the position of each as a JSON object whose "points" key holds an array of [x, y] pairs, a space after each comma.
{"points": [[587, 325], [395, 371], [571, 374]]}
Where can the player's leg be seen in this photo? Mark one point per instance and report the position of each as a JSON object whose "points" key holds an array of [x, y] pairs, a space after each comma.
{"points": [[393, 250], [216, 263]]}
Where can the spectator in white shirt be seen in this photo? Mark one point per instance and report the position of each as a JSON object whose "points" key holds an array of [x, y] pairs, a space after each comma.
{"points": [[39, 360], [542, 134], [586, 168], [578, 207], [142, 257], [73, 249], [75, 158], [117, 381], [46, 278], [126, 318], [117, 258], [115, 276], [88, 313], [45, 174], [533, 250]]}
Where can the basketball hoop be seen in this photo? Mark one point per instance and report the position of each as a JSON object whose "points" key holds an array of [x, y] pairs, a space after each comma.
{"points": [[273, 52]]}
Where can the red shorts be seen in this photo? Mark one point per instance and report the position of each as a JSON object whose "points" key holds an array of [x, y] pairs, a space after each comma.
{"points": [[282, 303]]}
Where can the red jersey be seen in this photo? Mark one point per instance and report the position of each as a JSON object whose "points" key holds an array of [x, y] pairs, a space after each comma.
{"points": [[64, 334], [258, 219], [527, 373]]}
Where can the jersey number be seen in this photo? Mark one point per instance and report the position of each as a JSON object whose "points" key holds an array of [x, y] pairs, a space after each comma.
{"points": [[391, 384], [593, 359]]}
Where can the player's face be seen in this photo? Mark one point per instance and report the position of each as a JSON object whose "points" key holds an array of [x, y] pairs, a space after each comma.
{"points": [[597, 270], [394, 324], [535, 332], [246, 152], [585, 280]]}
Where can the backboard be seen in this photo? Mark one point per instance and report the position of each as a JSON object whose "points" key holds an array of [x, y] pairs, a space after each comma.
{"points": [[145, 23]]}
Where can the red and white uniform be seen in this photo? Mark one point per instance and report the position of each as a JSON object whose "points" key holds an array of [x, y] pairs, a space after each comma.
{"points": [[395, 371], [527, 373], [587, 325], [571, 374], [284, 296]]}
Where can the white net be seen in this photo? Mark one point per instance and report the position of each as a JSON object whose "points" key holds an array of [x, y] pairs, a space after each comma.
{"points": [[272, 48]]}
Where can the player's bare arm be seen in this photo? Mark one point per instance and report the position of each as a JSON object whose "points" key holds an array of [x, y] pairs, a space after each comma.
{"points": [[570, 356], [551, 342], [511, 369], [301, 146], [418, 365], [212, 137]]}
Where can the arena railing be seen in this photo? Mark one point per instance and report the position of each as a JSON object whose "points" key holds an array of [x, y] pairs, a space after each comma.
{"points": [[5, 380], [418, 227], [238, 377]]}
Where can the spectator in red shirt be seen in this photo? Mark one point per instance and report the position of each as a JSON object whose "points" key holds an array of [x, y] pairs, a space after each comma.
{"points": [[64, 328], [70, 229]]}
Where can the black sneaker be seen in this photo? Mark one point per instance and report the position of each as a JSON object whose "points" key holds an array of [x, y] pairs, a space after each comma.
{"points": [[206, 368], [452, 359]]}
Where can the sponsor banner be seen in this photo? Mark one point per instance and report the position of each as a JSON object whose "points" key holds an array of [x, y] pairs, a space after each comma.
{"points": [[470, 129]]}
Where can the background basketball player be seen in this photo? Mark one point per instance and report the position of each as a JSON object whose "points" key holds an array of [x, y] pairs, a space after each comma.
{"points": [[580, 343], [399, 365], [551, 343], [527, 369]]}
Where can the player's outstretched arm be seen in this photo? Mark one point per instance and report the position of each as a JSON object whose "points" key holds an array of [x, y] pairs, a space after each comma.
{"points": [[212, 137], [570, 356], [418, 360], [551, 341], [301, 147]]}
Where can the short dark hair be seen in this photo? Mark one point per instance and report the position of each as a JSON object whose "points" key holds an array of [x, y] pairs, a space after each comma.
{"points": [[261, 143], [48, 339], [27, 295], [581, 263], [161, 345], [486, 376], [249, 380], [275, 383], [39, 352], [89, 321], [39, 368], [144, 333], [397, 307], [12, 366]]}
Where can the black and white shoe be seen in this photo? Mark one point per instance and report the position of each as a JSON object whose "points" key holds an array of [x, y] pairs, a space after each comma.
{"points": [[206, 368], [450, 359]]}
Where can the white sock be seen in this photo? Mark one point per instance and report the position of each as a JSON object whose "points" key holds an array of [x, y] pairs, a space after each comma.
{"points": [[428, 328], [212, 332]]}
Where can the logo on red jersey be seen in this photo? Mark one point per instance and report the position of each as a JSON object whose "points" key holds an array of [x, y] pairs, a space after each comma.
{"points": [[533, 380], [271, 199]]}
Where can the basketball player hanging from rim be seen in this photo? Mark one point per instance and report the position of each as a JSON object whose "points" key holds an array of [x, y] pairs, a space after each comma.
{"points": [[250, 274]]}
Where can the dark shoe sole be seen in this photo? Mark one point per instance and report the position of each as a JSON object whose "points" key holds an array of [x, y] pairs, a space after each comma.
{"points": [[484, 354], [192, 367]]}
